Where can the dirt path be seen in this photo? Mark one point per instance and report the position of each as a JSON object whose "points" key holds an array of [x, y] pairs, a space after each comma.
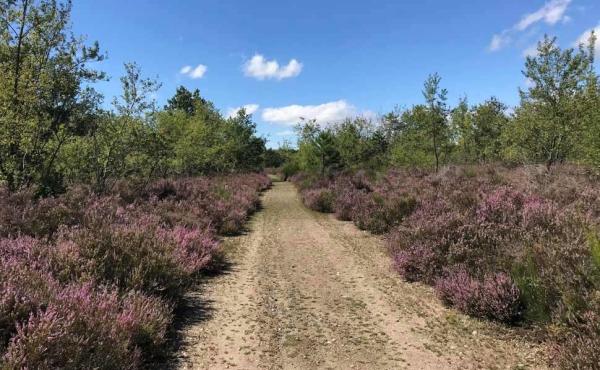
{"points": [[306, 291]]}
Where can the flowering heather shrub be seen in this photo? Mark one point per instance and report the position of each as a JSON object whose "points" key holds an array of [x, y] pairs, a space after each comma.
{"points": [[540, 226], [346, 202], [75, 296], [86, 328], [580, 345], [499, 298], [496, 297], [194, 248], [22, 214], [458, 289], [22, 290], [141, 256], [222, 204], [418, 263], [320, 200], [539, 213], [378, 213], [502, 207]]}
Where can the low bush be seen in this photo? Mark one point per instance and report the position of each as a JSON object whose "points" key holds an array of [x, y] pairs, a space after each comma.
{"points": [[82, 328], [579, 345], [90, 280], [496, 297], [320, 200], [507, 244]]}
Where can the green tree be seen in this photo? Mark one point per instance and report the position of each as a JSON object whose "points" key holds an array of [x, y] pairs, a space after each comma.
{"points": [[548, 123], [489, 120], [317, 151], [185, 101], [43, 101], [204, 142], [436, 123], [590, 145], [123, 144], [423, 135], [246, 149], [136, 93], [410, 141], [360, 143], [462, 120]]}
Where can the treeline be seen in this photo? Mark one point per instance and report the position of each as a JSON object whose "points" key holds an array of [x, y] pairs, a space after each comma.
{"points": [[56, 131], [557, 120]]}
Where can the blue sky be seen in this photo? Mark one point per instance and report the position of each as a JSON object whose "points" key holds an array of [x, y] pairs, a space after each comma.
{"points": [[329, 58]]}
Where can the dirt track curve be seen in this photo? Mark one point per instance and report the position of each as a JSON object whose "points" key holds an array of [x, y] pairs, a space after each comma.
{"points": [[305, 291]]}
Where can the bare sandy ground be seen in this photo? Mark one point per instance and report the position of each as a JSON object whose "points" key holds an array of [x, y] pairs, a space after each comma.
{"points": [[305, 291]]}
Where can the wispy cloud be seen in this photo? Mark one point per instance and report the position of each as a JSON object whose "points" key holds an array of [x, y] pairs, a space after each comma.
{"points": [[551, 13], [249, 108], [324, 113], [194, 72], [260, 68], [584, 39]]}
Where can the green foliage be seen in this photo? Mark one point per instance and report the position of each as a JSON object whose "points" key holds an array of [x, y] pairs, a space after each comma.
{"points": [[184, 100], [533, 292], [317, 150], [547, 126], [489, 120], [594, 243], [53, 132], [410, 145], [205, 142], [422, 135], [436, 124], [360, 144], [43, 98], [462, 121]]}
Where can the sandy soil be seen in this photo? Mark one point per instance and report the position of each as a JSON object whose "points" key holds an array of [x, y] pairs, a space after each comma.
{"points": [[305, 291]]}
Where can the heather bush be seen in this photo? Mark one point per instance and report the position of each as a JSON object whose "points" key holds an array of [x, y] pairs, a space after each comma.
{"points": [[496, 297], [89, 280], [85, 328], [458, 289], [378, 213], [346, 202], [321, 200], [22, 291], [141, 255], [579, 346], [456, 229], [22, 213], [418, 263]]}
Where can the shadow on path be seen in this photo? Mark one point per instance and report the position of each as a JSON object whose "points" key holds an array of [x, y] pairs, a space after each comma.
{"points": [[193, 309]]}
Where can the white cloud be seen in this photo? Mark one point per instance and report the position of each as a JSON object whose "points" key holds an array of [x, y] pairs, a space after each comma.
{"points": [[585, 38], [551, 13], [499, 41], [261, 68], [194, 72], [250, 109], [323, 113]]}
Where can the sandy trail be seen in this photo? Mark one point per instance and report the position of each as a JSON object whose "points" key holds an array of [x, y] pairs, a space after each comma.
{"points": [[306, 291]]}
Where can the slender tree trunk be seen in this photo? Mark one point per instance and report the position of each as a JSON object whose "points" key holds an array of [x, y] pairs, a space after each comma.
{"points": [[13, 146], [19, 50], [435, 152]]}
